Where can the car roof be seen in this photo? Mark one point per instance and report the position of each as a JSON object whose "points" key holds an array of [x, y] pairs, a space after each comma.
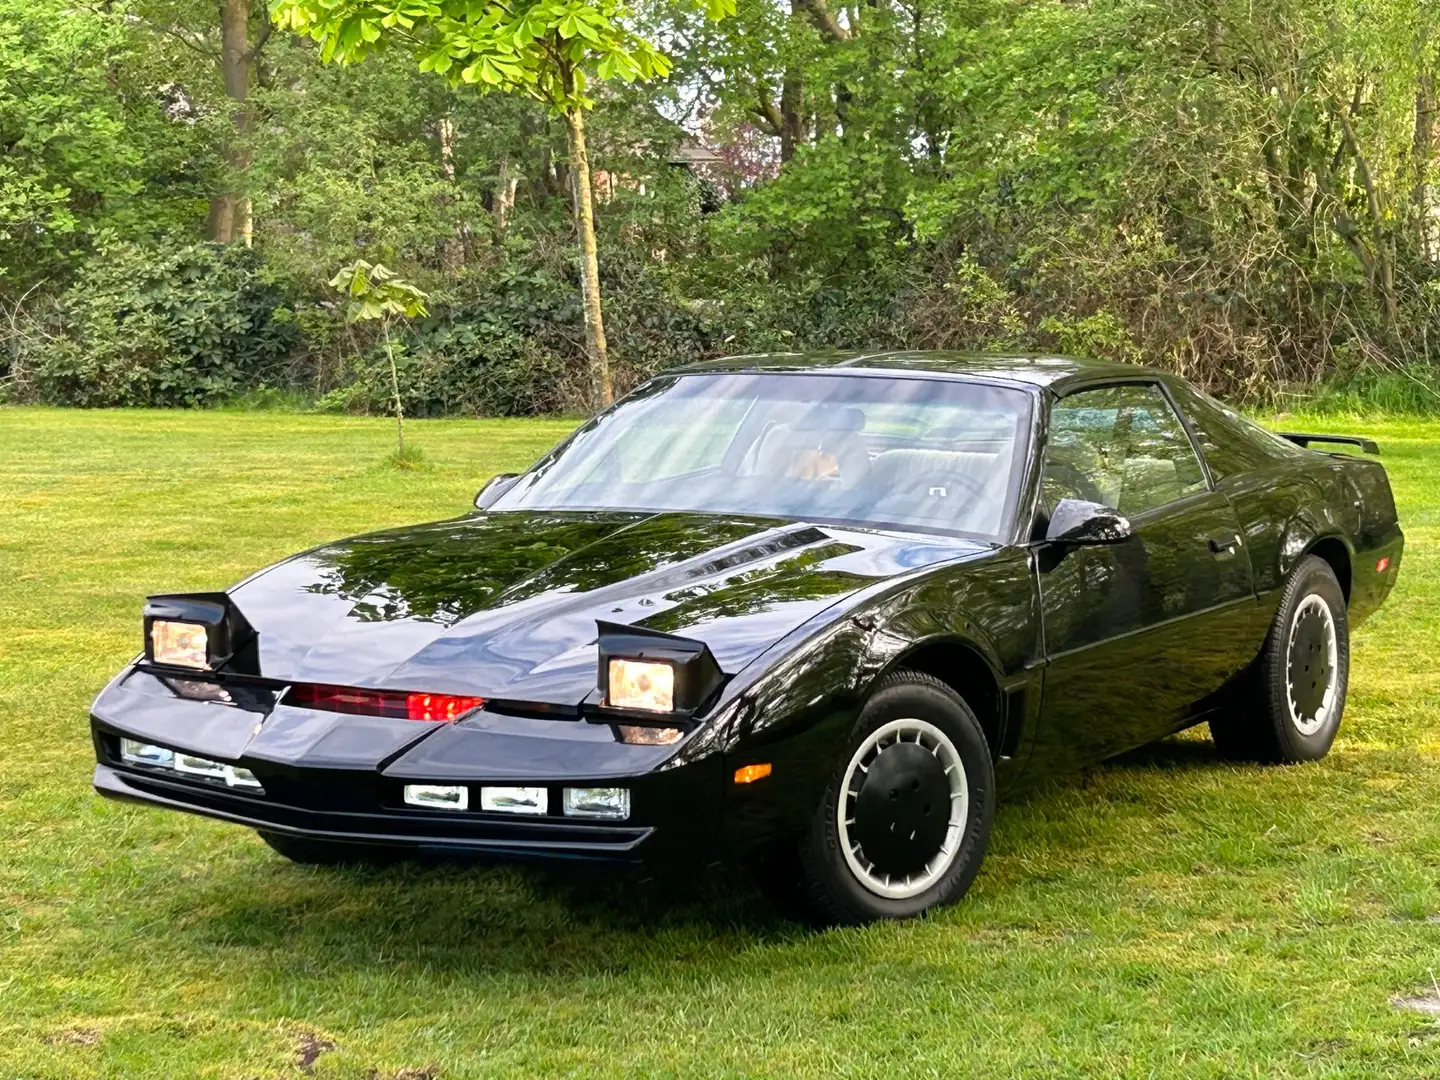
{"points": [[1029, 370]]}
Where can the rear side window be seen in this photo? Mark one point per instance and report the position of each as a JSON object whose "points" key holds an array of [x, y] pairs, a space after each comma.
{"points": [[1231, 444]]}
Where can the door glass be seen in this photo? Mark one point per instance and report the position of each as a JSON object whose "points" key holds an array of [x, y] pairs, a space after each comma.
{"points": [[1122, 446]]}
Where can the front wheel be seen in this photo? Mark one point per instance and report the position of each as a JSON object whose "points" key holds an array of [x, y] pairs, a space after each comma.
{"points": [[905, 820], [1297, 693]]}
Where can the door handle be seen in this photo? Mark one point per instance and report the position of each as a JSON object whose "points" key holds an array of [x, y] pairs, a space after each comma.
{"points": [[1224, 545]]}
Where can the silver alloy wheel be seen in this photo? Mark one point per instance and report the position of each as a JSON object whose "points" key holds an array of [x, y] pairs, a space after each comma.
{"points": [[927, 735], [1316, 700]]}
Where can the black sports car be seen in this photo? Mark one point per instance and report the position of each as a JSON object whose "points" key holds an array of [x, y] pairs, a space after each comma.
{"points": [[811, 612]]}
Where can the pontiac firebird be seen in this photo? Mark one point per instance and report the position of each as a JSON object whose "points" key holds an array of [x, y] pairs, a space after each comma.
{"points": [[808, 612]]}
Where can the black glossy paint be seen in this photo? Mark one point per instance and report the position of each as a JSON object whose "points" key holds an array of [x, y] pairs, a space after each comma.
{"points": [[1069, 648]]}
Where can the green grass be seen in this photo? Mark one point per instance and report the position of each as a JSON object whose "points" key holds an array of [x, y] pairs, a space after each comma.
{"points": [[1166, 915], [1411, 392]]}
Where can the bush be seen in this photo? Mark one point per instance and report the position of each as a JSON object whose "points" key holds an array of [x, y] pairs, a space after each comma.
{"points": [[169, 325]]}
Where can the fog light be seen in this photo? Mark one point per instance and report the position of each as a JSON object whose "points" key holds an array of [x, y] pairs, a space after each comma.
{"points": [[515, 800], [438, 796], [243, 778], [191, 765], [144, 754], [598, 802]]}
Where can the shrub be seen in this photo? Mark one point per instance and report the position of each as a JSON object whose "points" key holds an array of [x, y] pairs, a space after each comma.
{"points": [[159, 325]]}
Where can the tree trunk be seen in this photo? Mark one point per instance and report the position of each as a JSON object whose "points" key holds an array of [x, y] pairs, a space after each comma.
{"points": [[395, 387], [601, 391], [1422, 158], [230, 208], [792, 113], [1384, 256], [452, 248], [503, 200]]}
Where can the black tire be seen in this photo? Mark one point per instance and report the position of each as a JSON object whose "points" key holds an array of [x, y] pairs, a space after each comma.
{"points": [[308, 852], [831, 888], [1296, 679]]}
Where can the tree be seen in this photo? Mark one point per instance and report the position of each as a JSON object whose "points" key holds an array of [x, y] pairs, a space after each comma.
{"points": [[376, 294], [549, 50], [222, 46], [86, 152]]}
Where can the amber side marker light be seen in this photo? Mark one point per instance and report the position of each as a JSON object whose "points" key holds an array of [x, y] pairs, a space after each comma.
{"points": [[748, 774]]}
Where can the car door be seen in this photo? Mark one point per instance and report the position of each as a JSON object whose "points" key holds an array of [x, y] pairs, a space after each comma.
{"points": [[1137, 632]]}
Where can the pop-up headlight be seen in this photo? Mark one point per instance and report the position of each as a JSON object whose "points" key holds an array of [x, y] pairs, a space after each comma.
{"points": [[198, 630], [647, 671], [184, 644], [641, 684]]}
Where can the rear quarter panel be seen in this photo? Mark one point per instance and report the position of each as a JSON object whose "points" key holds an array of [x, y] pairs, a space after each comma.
{"points": [[1286, 508], [1365, 487]]}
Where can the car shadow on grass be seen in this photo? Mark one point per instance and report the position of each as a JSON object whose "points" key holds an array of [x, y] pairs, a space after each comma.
{"points": [[479, 920], [486, 920], [1184, 752]]}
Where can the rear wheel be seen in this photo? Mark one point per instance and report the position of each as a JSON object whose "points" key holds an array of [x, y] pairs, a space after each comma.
{"points": [[905, 820], [310, 852], [1296, 696]]}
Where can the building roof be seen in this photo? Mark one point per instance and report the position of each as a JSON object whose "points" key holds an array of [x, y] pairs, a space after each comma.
{"points": [[1037, 369]]}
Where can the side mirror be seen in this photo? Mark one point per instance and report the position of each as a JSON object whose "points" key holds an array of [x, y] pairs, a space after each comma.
{"points": [[496, 486], [1078, 522]]}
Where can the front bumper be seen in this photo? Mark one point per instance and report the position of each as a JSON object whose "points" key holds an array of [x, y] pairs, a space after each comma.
{"points": [[335, 777], [418, 830]]}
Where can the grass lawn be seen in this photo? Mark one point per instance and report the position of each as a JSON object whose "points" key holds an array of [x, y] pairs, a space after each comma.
{"points": [[1164, 915]]}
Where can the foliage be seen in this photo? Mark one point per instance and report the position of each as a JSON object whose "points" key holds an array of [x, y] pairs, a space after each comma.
{"points": [[162, 325], [540, 48], [374, 291], [86, 153], [1243, 193]]}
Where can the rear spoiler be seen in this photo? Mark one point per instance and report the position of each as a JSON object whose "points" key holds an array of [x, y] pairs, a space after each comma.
{"points": [[1300, 438]]}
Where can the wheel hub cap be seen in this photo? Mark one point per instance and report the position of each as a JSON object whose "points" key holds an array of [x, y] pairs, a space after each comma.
{"points": [[902, 810], [1311, 665]]}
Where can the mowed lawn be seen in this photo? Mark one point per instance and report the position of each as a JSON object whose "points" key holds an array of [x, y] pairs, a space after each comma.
{"points": [[1164, 915]]}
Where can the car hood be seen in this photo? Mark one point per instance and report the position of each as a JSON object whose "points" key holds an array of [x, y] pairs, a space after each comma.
{"points": [[504, 605]]}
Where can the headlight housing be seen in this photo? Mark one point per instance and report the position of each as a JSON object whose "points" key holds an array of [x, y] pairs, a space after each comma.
{"points": [[199, 631], [645, 671]]}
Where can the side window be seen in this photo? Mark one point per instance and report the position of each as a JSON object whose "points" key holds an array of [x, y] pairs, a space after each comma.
{"points": [[1231, 444], [1122, 446]]}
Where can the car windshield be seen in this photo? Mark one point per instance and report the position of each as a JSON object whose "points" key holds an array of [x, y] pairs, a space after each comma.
{"points": [[932, 454]]}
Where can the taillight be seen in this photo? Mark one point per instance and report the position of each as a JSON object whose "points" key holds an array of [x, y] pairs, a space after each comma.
{"points": [[399, 704]]}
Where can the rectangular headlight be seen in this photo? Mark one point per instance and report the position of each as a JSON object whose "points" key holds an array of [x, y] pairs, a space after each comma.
{"points": [[183, 644], [598, 802], [438, 796], [199, 766], [144, 754], [235, 776], [642, 684], [515, 800]]}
